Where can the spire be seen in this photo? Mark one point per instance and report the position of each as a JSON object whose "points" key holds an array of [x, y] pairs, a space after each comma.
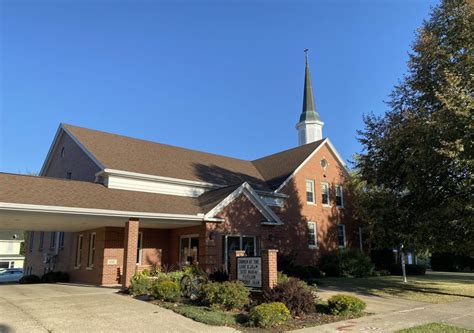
{"points": [[309, 108]]}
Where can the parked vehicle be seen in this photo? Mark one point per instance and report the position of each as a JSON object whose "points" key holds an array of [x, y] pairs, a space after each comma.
{"points": [[11, 275]]}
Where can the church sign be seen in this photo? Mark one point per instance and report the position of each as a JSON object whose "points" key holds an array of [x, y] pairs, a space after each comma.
{"points": [[249, 271]]}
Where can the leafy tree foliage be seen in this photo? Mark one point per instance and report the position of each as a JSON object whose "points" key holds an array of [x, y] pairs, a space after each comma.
{"points": [[413, 180]]}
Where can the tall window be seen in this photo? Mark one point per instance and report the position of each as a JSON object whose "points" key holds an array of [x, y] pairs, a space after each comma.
{"points": [[339, 196], [139, 248], [312, 235], [79, 251], [325, 194], [310, 191], [341, 235], [41, 240], [90, 259], [61, 240], [189, 249], [52, 242], [31, 239]]}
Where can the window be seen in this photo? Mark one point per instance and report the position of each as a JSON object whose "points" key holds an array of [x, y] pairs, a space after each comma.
{"points": [[63, 152], [79, 251], [139, 248], [68, 175], [341, 235], [325, 194], [90, 259], [61, 240], [41, 241], [52, 242], [31, 239], [189, 249], [312, 235], [310, 191], [339, 196], [249, 244]]}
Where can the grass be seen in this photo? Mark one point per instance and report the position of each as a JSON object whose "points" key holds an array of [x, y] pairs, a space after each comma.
{"points": [[434, 287], [435, 327]]}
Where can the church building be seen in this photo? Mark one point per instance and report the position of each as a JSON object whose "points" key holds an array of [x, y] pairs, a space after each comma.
{"points": [[106, 205]]}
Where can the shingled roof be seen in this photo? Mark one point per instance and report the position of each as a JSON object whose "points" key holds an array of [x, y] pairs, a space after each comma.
{"points": [[134, 155]]}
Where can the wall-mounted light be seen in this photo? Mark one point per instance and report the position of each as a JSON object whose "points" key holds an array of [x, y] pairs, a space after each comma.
{"points": [[271, 237], [212, 235]]}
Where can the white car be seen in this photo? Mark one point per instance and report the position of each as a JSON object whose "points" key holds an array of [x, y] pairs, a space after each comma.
{"points": [[11, 275]]}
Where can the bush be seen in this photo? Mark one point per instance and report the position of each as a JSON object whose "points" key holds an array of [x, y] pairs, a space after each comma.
{"points": [[396, 269], [383, 259], [54, 277], [27, 279], [449, 262], [295, 294], [227, 295], [343, 305], [140, 284], [347, 263], [269, 314], [166, 290], [282, 277], [174, 276], [219, 275], [306, 273]]}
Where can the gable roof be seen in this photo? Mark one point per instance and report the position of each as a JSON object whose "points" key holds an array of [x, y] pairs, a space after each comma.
{"points": [[124, 153]]}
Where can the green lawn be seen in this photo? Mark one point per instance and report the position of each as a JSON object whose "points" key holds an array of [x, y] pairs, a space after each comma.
{"points": [[435, 327], [434, 287]]}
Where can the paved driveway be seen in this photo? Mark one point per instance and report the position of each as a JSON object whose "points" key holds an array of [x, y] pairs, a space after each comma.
{"points": [[79, 308]]}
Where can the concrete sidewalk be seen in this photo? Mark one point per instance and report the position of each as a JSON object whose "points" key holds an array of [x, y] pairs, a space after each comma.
{"points": [[455, 313], [79, 308]]}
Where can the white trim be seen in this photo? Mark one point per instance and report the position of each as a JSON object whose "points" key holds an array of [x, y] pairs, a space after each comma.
{"points": [[338, 157], [315, 245], [143, 176], [342, 195], [313, 191], [90, 258], [103, 212], [249, 192], [59, 133], [328, 204]]}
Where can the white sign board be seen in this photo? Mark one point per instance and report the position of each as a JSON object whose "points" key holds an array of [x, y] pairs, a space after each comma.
{"points": [[249, 271]]}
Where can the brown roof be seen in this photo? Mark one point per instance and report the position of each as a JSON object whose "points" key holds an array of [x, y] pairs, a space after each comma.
{"points": [[128, 154], [70, 193]]}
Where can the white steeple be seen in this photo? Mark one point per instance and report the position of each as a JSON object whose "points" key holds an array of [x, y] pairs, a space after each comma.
{"points": [[310, 126]]}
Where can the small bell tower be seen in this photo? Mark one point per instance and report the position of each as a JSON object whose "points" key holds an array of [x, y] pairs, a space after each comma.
{"points": [[310, 126]]}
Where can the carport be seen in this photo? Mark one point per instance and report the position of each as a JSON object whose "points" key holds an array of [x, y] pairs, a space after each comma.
{"points": [[47, 204]]}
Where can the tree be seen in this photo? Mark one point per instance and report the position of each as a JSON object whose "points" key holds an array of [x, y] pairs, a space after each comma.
{"points": [[414, 177]]}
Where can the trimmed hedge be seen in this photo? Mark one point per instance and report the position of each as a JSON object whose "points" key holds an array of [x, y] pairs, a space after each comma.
{"points": [[298, 297], [166, 290], [28, 279], [228, 295], [396, 269], [347, 263], [269, 315], [343, 305]]}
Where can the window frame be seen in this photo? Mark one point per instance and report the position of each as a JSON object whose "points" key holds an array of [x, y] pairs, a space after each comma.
{"points": [[31, 241], [79, 248], [61, 240], [52, 240], [314, 233], [343, 234], [257, 250], [342, 195], [139, 248], [188, 237], [326, 185], [313, 192], [91, 253], [41, 241]]}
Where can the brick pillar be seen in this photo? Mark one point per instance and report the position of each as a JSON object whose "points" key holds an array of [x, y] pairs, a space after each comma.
{"points": [[269, 269], [233, 263], [130, 251]]}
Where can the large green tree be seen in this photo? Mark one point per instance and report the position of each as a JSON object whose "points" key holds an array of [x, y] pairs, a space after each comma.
{"points": [[414, 177]]}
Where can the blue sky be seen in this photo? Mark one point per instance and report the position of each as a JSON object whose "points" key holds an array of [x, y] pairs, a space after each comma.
{"points": [[219, 76]]}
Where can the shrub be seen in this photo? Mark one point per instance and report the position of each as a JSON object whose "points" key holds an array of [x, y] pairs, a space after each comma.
{"points": [[382, 259], [449, 262], [54, 277], [269, 314], [140, 284], [174, 276], [347, 263], [344, 305], [228, 295], [306, 273], [295, 294], [27, 279], [219, 275], [282, 277], [166, 290], [396, 269]]}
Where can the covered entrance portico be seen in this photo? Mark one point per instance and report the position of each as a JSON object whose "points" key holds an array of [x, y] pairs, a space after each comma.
{"points": [[103, 246]]}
